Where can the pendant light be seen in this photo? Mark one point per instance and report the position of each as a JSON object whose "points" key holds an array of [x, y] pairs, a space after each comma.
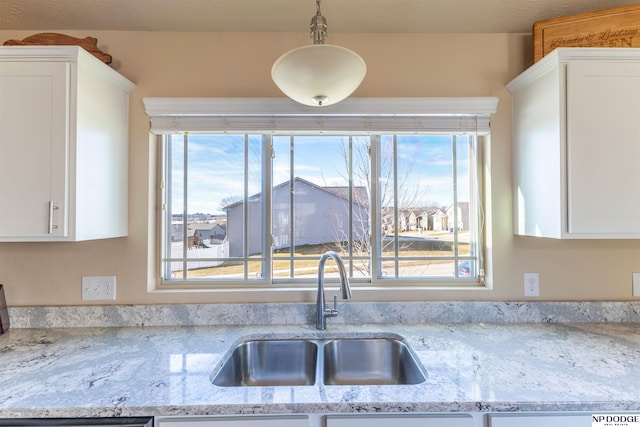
{"points": [[319, 74]]}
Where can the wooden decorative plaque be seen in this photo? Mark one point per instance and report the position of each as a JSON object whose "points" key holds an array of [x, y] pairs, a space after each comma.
{"points": [[90, 44], [617, 27]]}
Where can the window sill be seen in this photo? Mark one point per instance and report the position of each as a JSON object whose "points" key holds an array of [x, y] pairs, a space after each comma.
{"points": [[307, 292]]}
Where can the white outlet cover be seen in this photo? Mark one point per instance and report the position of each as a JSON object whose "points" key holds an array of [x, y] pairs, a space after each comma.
{"points": [[531, 284], [636, 284]]}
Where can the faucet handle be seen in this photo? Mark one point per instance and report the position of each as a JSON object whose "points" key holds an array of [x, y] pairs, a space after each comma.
{"points": [[332, 312]]}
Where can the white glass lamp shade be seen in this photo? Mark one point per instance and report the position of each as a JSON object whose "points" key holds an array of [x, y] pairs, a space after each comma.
{"points": [[319, 74]]}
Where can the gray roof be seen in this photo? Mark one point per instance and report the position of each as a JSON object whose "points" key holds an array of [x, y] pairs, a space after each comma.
{"points": [[360, 193]]}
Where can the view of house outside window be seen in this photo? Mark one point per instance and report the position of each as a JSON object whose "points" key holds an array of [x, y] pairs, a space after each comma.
{"points": [[261, 207]]}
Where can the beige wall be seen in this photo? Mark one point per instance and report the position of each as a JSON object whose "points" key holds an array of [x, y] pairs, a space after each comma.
{"points": [[238, 65]]}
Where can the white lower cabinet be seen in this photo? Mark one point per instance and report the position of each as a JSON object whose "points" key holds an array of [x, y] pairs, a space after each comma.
{"points": [[321, 420], [236, 421], [542, 420], [478, 419], [413, 420]]}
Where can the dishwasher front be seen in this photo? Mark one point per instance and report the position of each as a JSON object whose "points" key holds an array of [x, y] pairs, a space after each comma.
{"points": [[78, 422]]}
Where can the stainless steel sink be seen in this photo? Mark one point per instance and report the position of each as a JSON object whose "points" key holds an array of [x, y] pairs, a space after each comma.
{"points": [[370, 361], [269, 363], [300, 362]]}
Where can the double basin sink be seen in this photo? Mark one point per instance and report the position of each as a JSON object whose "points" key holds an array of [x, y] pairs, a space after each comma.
{"points": [[306, 362]]}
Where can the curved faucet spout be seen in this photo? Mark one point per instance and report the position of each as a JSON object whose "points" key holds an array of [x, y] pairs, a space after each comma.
{"points": [[321, 311]]}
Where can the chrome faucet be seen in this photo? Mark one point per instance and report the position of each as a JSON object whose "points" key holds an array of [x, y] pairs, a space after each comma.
{"points": [[321, 312]]}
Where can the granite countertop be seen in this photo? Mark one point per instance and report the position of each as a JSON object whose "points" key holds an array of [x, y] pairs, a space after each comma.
{"points": [[136, 371]]}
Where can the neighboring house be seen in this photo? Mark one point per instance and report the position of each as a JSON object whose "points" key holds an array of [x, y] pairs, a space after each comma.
{"points": [[218, 232], [214, 233], [427, 219], [412, 220], [198, 233], [415, 220], [463, 216], [320, 216], [438, 220], [177, 231], [388, 220]]}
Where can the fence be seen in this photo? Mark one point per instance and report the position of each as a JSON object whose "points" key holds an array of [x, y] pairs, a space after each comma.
{"points": [[194, 254]]}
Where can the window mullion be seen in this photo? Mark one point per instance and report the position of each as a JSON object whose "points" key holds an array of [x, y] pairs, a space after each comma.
{"points": [[245, 207], [267, 220], [167, 192], [375, 232], [185, 187], [456, 252], [292, 249], [350, 210], [478, 214], [396, 235], [167, 204]]}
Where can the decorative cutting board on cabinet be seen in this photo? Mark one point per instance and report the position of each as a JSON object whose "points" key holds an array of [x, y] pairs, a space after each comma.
{"points": [[576, 145], [64, 126]]}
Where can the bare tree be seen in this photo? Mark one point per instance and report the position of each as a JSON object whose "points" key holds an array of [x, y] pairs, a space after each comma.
{"points": [[227, 201], [401, 195]]}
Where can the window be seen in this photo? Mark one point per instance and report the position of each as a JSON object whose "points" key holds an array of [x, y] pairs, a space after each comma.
{"points": [[250, 208]]}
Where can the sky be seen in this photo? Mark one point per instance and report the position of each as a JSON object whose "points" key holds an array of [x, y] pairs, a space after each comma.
{"points": [[216, 167]]}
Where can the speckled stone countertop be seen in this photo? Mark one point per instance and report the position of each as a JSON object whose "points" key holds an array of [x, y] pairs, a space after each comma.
{"points": [[471, 367]]}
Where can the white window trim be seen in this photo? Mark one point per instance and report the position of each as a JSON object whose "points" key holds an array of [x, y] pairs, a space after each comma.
{"points": [[273, 115], [176, 115]]}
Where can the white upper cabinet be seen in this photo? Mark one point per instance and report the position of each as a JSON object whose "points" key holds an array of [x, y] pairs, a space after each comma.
{"points": [[63, 145], [576, 145]]}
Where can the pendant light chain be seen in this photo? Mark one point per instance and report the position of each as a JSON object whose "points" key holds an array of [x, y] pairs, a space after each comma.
{"points": [[318, 26]]}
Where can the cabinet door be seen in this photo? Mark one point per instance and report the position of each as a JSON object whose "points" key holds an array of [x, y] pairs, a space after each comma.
{"points": [[540, 420], [603, 148], [239, 421], [34, 135], [381, 420]]}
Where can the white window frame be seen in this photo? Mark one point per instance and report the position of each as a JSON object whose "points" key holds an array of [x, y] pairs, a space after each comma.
{"points": [[354, 115]]}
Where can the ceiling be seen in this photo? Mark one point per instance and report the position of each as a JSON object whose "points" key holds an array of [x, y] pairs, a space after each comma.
{"points": [[360, 16]]}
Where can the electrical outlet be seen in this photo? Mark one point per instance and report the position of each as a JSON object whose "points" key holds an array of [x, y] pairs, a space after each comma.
{"points": [[99, 287], [531, 284], [636, 284]]}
